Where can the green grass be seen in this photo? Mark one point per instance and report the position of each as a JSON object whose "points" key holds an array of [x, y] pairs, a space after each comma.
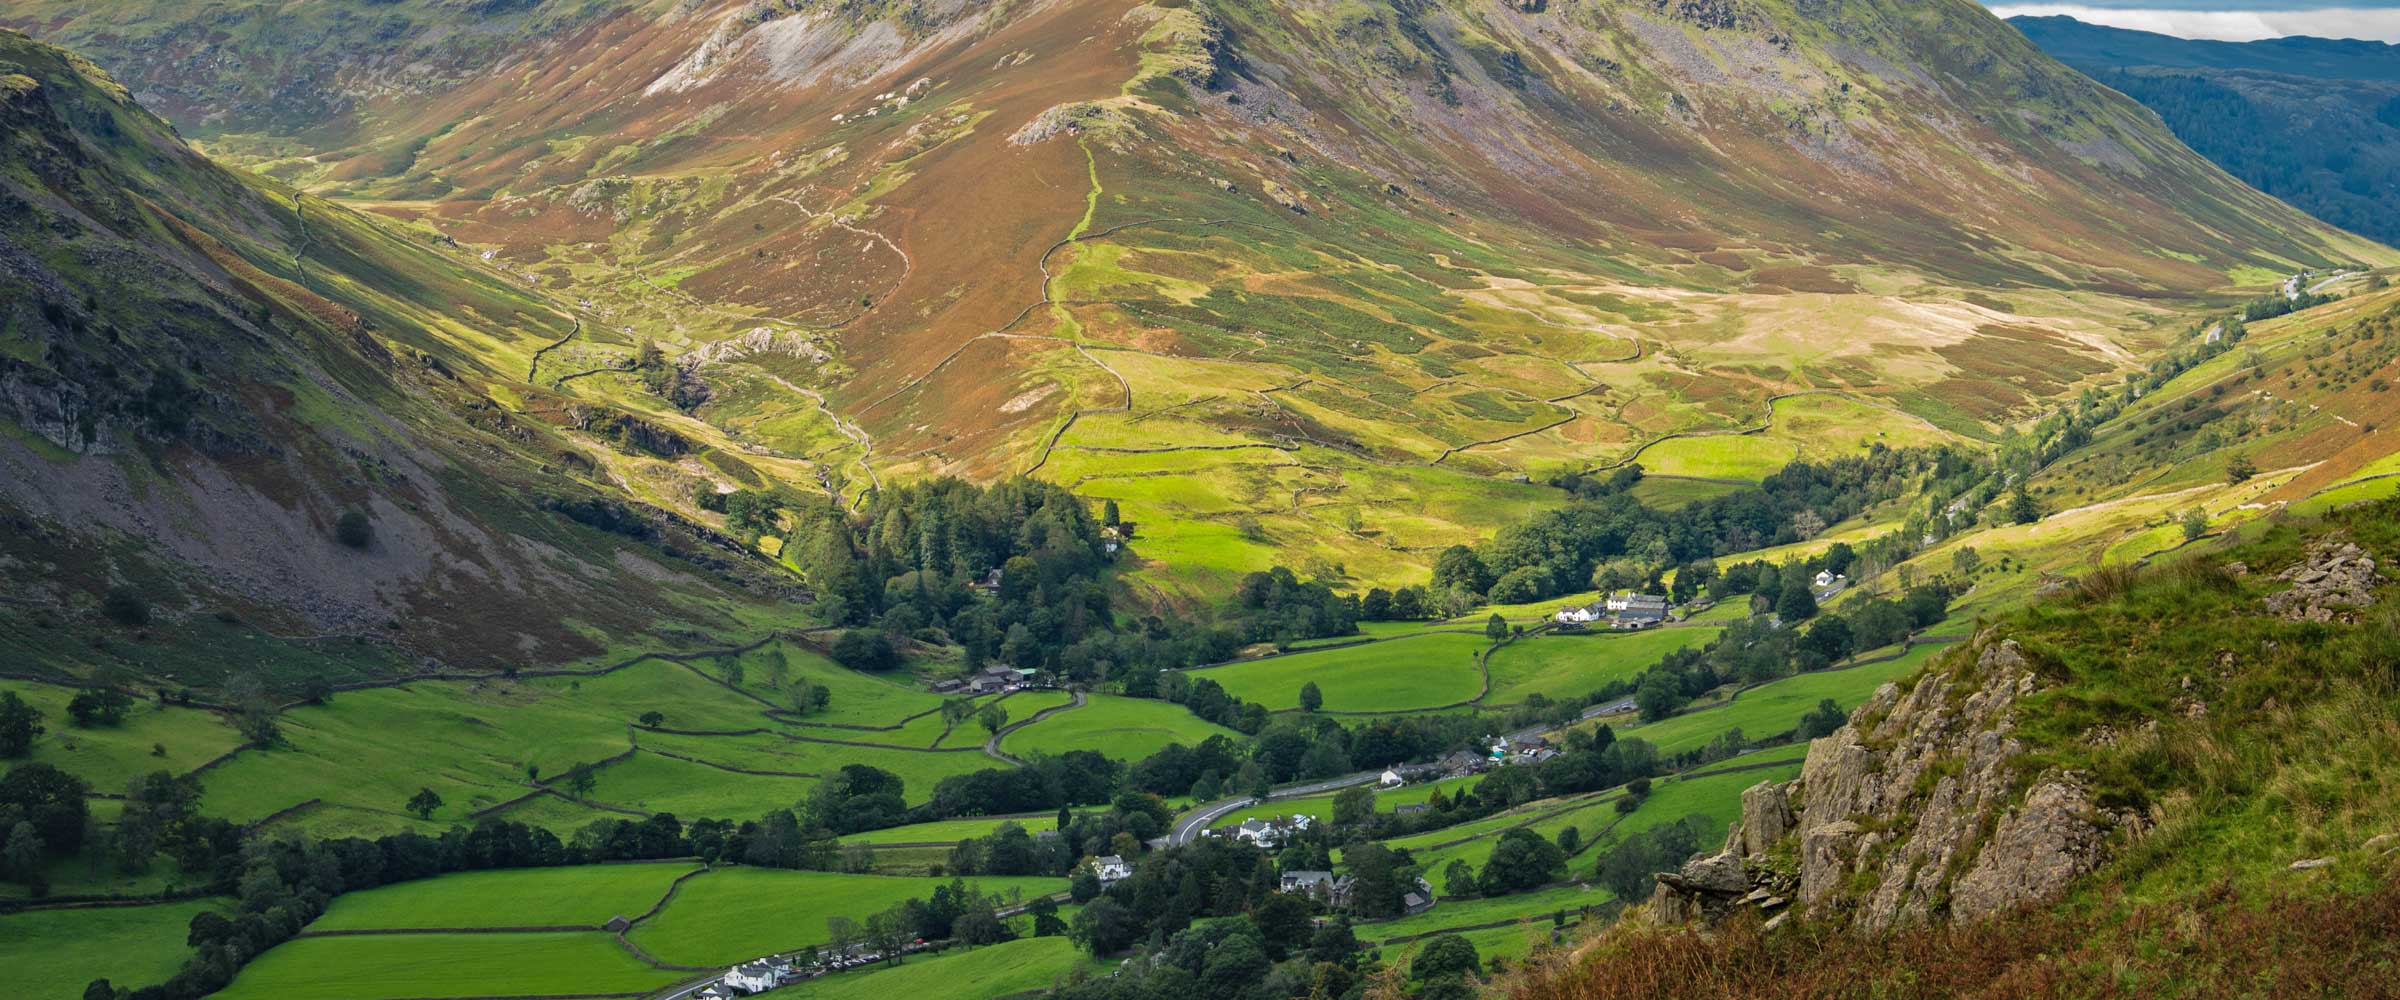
{"points": [[1396, 676], [652, 783], [583, 895], [952, 830], [858, 699], [919, 769], [1123, 728], [1716, 797], [54, 953], [469, 742], [389, 967], [1722, 456], [109, 757], [1536, 905], [1570, 665], [1777, 706], [735, 914], [998, 970]]}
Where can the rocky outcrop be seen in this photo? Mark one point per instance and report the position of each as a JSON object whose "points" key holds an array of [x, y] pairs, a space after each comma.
{"points": [[2336, 579], [1915, 812]]}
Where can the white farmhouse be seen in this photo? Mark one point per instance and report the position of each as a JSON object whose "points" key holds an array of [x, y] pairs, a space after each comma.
{"points": [[1111, 868], [753, 977], [1391, 778]]}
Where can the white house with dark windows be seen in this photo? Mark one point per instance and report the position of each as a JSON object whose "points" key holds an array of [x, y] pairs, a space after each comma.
{"points": [[1271, 833], [1392, 778], [1584, 614], [757, 977], [1111, 868]]}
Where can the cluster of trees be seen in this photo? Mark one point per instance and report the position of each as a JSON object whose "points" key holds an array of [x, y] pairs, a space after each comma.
{"points": [[1132, 819], [103, 706], [1612, 540], [1519, 861], [909, 565], [1627, 868], [954, 911], [1266, 949]]}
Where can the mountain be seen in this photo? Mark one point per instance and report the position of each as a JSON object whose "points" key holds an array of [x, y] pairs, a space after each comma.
{"points": [[242, 429], [1314, 283], [2313, 121]]}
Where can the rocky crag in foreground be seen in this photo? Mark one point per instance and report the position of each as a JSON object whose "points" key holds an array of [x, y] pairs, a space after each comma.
{"points": [[1912, 813], [1921, 811]]}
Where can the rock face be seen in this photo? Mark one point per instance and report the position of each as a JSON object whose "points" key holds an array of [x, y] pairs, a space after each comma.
{"points": [[1912, 813]]}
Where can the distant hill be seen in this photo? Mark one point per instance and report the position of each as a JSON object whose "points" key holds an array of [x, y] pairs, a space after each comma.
{"points": [[2077, 43], [2313, 121]]}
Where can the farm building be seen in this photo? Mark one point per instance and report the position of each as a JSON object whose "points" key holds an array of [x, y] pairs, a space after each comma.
{"points": [[1111, 868]]}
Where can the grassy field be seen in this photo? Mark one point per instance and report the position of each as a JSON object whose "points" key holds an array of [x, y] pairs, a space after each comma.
{"points": [[468, 741], [1777, 707], [950, 831], [110, 756], [1718, 797], [993, 971], [656, 784], [735, 914], [55, 953], [777, 752], [1396, 676], [858, 699], [1537, 905], [584, 895], [1722, 456], [389, 967], [1123, 728], [1571, 665]]}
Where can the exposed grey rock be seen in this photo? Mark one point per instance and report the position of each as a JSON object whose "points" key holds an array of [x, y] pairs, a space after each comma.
{"points": [[2334, 580], [1766, 817], [2033, 854], [2311, 864], [1891, 808]]}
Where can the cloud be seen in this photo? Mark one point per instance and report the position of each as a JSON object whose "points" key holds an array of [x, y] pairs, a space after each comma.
{"points": [[2381, 25]]}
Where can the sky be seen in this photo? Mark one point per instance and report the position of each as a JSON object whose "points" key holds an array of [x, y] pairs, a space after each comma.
{"points": [[2229, 20]]}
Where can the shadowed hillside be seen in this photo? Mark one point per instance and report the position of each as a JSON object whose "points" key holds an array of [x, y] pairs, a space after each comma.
{"points": [[238, 417]]}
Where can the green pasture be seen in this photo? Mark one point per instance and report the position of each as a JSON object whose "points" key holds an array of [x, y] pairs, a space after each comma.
{"points": [[55, 953], [654, 784], [470, 742], [1419, 672], [581, 895], [950, 831], [1569, 665], [1718, 797], [398, 966], [1536, 905], [782, 752], [1720, 456], [859, 699], [1021, 966], [1777, 706], [1122, 728], [110, 757], [734, 914]]}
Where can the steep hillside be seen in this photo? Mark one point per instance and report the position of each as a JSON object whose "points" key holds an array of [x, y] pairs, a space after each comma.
{"points": [[1310, 281], [2164, 783], [2313, 121], [238, 417]]}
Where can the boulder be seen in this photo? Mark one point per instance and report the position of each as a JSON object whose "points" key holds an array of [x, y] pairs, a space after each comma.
{"points": [[1766, 817]]}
